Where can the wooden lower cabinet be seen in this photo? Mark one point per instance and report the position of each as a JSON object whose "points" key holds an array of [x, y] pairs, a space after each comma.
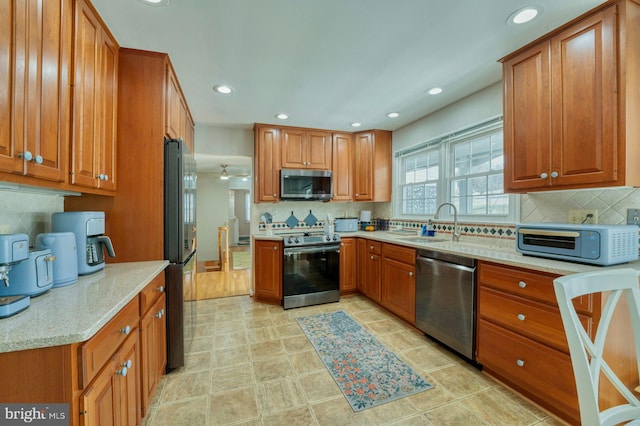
{"points": [[153, 355], [348, 278], [521, 339], [399, 281], [369, 254], [268, 271]]}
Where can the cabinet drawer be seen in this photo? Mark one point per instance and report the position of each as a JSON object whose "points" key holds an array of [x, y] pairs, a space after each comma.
{"points": [[534, 320], [374, 247], [539, 371], [528, 284], [399, 253], [151, 292], [95, 352]]}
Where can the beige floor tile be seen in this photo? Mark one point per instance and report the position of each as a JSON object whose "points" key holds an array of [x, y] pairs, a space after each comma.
{"points": [[497, 409], [522, 401], [229, 340], [384, 326], [296, 343], [436, 396], [276, 367], [429, 357], [236, 326], [338, 412], [371, 315], [200, 344], [289, 330], [203, 330], [192, 412], [230, 356], [233, 406], [391, 411], [418, 420], [185, 386], [266, 349], [231, 377], [297, 417], [404, 340], [279, 395], [258, 322], [460, 380], [306, 362], [319, 386], [196, 362], [454, 414], [262, 334]]}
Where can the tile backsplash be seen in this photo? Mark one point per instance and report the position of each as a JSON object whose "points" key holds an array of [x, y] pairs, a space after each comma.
{"points": [[28, 213]]}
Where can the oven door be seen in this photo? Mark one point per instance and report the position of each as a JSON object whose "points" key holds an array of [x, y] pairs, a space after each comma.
{"points": [[310, 275]]}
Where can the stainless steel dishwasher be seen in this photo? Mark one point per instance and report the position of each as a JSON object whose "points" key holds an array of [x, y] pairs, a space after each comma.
{"points": [[445, 299]]}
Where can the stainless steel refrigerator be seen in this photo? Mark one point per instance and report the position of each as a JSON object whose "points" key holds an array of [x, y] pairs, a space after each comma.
{"points": [[179, 248]]}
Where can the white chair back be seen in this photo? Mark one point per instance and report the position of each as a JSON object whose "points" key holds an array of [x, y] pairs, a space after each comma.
{"points": [[586, 354]]}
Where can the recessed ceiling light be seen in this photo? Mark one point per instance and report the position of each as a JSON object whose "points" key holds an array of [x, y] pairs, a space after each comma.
{"points": [[156, 2], [356, 124], [282, 116], [221, 88], [393, 115], [523, 15], [434, 91]]}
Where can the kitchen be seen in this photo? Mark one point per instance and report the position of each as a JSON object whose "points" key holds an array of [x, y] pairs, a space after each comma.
{"points": [[534, 207]]}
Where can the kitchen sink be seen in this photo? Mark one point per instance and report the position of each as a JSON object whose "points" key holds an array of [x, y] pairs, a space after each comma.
{"points": [[417, 239]]}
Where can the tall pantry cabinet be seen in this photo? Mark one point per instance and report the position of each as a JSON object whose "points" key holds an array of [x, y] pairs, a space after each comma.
{"points": [[35, 56], [135, 216]]}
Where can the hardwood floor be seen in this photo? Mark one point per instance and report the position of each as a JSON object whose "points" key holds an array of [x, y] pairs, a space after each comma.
{"points": [[217, 284]]}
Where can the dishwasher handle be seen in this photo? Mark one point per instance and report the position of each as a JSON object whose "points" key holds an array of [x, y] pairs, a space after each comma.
{"points": [[449, 265]]}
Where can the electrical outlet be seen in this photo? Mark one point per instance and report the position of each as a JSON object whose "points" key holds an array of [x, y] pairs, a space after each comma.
{"points": [[5, 229], [582, 216], [633, 217]]}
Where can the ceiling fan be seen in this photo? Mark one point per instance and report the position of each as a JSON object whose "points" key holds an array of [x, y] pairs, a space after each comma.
{"points": [[224, 175]]}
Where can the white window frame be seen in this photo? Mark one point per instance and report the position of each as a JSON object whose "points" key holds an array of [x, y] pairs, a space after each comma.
{"points": [[445, 144]]}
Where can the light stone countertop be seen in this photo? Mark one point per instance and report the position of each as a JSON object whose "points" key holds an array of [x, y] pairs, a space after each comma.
{"points": [[74, 313], [489, 249]]}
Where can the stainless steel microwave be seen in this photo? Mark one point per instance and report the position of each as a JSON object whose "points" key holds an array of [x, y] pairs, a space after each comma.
{"points": [[595, 244], [302, 184]]}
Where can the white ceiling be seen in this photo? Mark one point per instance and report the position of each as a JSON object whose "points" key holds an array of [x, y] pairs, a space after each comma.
{"points": [[328, 63]]}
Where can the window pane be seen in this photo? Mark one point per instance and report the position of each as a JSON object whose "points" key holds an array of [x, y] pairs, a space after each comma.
{"points": [[496, 184], [479, 205], [480, 155], [478, 185], [461, 159], [498, 204]]}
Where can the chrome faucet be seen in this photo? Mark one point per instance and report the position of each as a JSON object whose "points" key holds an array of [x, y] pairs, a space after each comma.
{"points": [[456, 231]]}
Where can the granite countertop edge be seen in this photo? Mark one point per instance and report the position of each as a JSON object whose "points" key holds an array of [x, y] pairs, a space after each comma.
{"points": [[74, 313], [496, 250]]}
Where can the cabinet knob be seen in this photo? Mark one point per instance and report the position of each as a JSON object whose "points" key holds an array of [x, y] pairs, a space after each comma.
{"points": [[127, 364], [370, 247], [410, 274], [26, 155], [123, 371], [126, 330], [275, 247], [160, 289], [371, 257], [520, 363], [106, 177], [522, 284], [554, 174], [275, 195], [160, 313], [38, 159], [521, 317], [544, 176], [357, 195]]}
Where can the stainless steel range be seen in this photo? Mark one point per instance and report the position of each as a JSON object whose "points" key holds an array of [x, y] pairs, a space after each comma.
{"points": [[311, 269]]}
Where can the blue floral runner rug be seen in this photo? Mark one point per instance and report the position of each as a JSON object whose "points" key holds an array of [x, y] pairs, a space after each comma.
{"points": [[367, 373]]}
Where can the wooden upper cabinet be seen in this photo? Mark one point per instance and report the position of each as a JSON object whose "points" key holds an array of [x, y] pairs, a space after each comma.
{"points": [[372, 166], [342, 167], [35, 56], [566, 102], [174, 106], [267, 163], [95, 102], [306, 149]]}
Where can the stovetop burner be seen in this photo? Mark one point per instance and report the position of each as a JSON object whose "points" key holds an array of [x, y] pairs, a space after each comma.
{"points": [[309, 239]]}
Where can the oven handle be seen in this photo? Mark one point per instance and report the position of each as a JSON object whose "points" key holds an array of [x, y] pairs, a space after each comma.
{"points": [[293, 250]]}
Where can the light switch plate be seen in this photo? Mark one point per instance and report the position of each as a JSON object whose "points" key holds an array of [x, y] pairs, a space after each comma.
{"points": [[633, 217], [581, 216]]}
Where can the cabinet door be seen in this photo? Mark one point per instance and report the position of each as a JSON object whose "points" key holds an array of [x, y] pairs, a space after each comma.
{"points": [[584, 96], [342, 167], [98, 404], [527, 119], [373, 278], [318, 150], [152, 350], [348, 265], [108, 116], [267, 164], [362, 254], [293, 149], [363, 166], [268, 274], [34, 87], [399, 288], [128, 389], [174, 105]]}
